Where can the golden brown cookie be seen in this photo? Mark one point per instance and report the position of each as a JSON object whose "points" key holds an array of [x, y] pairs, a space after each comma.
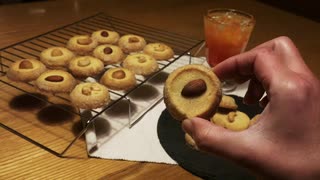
{"points": [[132, 43], [55, 81], [82, 44], [234, 120], [141, 64], [118, 79], [56, 57], [255, 119], [105, 36], [85, 66], [159, 51], [25, 70], [89, 95], [192, 90], [228, 102], [109, 54]]}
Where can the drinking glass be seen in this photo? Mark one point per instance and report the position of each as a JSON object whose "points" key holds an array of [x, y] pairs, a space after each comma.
{"points": [[227, 32]]}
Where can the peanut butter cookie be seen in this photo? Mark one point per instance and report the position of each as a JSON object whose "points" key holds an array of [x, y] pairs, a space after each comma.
{"points": [[85, 66], [141, 64], [109, 54], [118, 79], [82, 44], [159, 51], [105, 36], [55, 81], [90, 95], [132, 43], [228, 102], [234, 120], [25, 70], [56, 57]]}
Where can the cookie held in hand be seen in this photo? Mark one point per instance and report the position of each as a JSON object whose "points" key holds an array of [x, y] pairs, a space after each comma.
{"points": [[192, 91]]}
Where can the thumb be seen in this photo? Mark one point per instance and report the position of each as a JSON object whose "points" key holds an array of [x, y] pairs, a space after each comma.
{"points": [[217, 140]]}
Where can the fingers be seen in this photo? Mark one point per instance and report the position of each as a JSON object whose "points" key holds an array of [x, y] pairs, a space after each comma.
{"points": [[260, 63], [216, 139], [254, 93], [263, 62], [287, 52], [263, 103], [240, 66]]}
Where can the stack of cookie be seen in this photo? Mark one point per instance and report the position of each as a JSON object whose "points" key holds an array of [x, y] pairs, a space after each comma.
{"points": [[228, 115], [90, 56]]}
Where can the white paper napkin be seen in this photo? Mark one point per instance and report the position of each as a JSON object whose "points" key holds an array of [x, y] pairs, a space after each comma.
{"points": [[110, 137]]}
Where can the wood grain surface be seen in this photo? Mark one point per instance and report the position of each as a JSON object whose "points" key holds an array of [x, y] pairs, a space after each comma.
{"points": [[22, 159]]}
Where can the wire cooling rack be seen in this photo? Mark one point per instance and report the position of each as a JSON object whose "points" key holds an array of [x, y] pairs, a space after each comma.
{"points": [[31, 48]]}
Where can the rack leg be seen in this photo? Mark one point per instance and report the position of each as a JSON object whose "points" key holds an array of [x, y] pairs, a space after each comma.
{"points": [[77, 137], [129, 110], [2, 71]]}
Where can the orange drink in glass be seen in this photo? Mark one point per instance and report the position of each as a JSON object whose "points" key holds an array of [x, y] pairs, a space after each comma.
{"points": [[227, 32]]}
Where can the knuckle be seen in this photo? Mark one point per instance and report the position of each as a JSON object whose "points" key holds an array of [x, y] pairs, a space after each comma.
{"points": [[284, 41], [299, 88]]}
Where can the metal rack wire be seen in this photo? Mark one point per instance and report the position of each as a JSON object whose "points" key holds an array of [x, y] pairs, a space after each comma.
{"points": [[31, 48]]}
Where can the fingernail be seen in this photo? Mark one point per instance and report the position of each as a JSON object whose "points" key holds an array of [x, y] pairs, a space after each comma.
{"points": [[187, 125]]}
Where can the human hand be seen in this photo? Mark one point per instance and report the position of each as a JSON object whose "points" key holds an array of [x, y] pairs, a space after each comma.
{"points": [[285, 142]]}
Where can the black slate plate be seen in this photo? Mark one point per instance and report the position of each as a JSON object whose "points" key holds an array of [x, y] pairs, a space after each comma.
{"points": [[206, 166]]}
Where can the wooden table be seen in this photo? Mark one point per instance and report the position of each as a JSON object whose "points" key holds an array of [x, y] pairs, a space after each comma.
{"points": [[22, 159]]}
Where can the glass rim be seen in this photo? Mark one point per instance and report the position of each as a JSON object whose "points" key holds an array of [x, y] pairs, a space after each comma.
{"points": [[242, 13]]}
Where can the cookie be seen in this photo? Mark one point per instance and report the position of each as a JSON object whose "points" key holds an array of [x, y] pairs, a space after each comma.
{"points": [[118, 79], [234, 120], [90, 95], [56, 57], [25, 70], [141, 64], [228, 102], [159, 51], [85, 66], [255, 119], [131, 43], [55, 81], [192, 91], [109, 54], [82, 44], [105, 36]]}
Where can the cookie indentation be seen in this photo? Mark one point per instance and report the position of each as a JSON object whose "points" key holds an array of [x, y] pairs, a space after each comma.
{"points": [[119, 74], [84, 41], [54, 78], [25, 64], [107, 50], [84, 62], [56, 52]]}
